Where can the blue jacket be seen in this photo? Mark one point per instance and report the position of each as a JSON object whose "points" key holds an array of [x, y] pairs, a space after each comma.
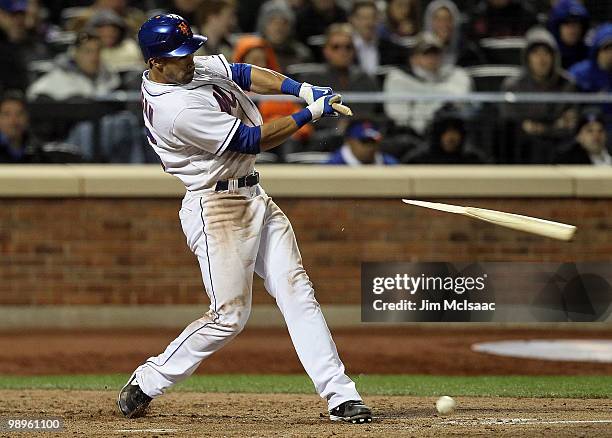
{"points": [[565, 9], [587, 74]]}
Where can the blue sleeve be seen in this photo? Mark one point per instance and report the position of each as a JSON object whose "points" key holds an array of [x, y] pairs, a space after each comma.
{"points": [[246, 140], [241, 74]]}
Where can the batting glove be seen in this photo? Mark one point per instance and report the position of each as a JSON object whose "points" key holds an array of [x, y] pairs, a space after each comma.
{"points": [[311, 93], [322, 107]]}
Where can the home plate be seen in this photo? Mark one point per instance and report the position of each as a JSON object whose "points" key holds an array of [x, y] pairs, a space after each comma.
{"points": [[575, 350], [148, 430]]}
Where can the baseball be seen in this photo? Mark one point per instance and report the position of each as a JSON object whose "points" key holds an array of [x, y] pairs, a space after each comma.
{"points": [[446, 405]]}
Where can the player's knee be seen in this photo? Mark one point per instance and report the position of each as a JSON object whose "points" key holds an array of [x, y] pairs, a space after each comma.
{"points": [[234, 316]]}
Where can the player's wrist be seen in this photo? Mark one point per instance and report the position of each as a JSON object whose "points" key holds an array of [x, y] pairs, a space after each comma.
{"points": [[302, 117], [289, 86]]}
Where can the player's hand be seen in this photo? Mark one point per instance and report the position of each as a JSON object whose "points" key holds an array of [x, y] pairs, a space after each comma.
{"points": [[323, 106], [311, 93]]}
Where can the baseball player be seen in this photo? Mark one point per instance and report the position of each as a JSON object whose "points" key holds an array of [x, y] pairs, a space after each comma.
{"points": [[207, 133]]}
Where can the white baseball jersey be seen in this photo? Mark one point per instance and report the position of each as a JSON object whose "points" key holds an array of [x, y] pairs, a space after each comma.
{"points": [[233, 233], [190, 126]]}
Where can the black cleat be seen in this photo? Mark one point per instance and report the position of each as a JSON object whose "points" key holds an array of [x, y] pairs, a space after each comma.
{"points": [[132, 401], [352, 411]]}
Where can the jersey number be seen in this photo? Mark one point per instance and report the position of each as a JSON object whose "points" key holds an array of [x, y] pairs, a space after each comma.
{"points": [[147, 111]]}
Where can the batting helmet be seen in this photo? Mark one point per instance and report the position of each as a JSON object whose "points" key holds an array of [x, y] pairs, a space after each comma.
{"points": [[167, 36]]}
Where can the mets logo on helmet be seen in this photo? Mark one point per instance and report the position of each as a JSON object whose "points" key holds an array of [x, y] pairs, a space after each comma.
{"points": [[183, 28]]}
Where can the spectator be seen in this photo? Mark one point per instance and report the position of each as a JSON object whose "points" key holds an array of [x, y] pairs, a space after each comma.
{"points": [[216, 20], [443, 19], [447, 144], [372, 50], [17, 145], [423, 74], [569, 22], [119, 51], [133, 17], [589, 145], [256, 51], [541, 124], [275, 24], [501, 18], [361, 146], [339, 71], [316, 16], [595, 73], [79, 73], [401, 19], [13, 75]]}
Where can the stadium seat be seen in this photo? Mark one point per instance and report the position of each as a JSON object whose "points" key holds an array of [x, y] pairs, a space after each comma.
{"points": [[490, 77], [308, 157], [503, 50]]}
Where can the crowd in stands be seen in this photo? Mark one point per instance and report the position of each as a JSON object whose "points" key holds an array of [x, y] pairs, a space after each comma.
{"points": [[64, 63]]}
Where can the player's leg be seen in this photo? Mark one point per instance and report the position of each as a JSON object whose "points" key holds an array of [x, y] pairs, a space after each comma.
{"points": [[280, 265], [223, 232]]}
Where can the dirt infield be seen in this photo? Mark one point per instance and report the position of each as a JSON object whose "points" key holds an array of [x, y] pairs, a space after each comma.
{"points": [[407, 350], [93, 413]]}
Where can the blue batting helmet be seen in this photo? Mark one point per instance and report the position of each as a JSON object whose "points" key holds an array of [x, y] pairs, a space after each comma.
{"points": [[167, 36]]}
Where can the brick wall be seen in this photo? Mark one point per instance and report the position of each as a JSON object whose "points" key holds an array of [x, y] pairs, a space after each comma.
{"points": [[122, 251]]}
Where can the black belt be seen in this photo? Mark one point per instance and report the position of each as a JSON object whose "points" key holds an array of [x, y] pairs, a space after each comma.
{"points": [[244, 181]]}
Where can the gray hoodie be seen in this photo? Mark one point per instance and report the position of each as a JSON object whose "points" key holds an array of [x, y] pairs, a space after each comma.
{"points": [[558, 81]]}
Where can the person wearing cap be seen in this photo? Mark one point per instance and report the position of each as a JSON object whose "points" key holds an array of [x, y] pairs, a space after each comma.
{"points": [[424, 73], [361, 146], [590, 142], [119, 52], [568, 21]]}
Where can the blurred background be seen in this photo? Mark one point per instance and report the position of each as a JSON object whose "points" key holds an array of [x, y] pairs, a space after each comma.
{"points": [[457, 82]]}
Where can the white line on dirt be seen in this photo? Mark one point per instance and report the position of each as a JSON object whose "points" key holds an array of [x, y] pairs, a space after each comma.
{"points": [[148, 430], [523, 421]]}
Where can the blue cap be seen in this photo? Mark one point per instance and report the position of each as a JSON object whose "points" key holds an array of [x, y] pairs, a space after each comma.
{"points": [[168, 36], [364, 131]]}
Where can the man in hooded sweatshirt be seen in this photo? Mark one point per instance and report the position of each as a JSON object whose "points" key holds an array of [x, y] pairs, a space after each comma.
{"points": [[443, 19], [568, 21], [447, 144], [540, 124], [594, 74]]}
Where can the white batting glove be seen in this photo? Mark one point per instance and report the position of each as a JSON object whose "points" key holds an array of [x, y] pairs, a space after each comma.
{"points": [[322, 107], [311, 93]]}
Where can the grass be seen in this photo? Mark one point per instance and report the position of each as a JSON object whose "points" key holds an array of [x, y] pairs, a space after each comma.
{"points": [[501, 386]]}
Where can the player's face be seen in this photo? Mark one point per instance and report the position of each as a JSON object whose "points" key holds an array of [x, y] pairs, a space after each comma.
{"points": [[178, 70]]}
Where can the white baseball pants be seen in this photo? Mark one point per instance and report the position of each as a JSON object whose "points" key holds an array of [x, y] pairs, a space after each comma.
{"points": [[234, 235]]}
